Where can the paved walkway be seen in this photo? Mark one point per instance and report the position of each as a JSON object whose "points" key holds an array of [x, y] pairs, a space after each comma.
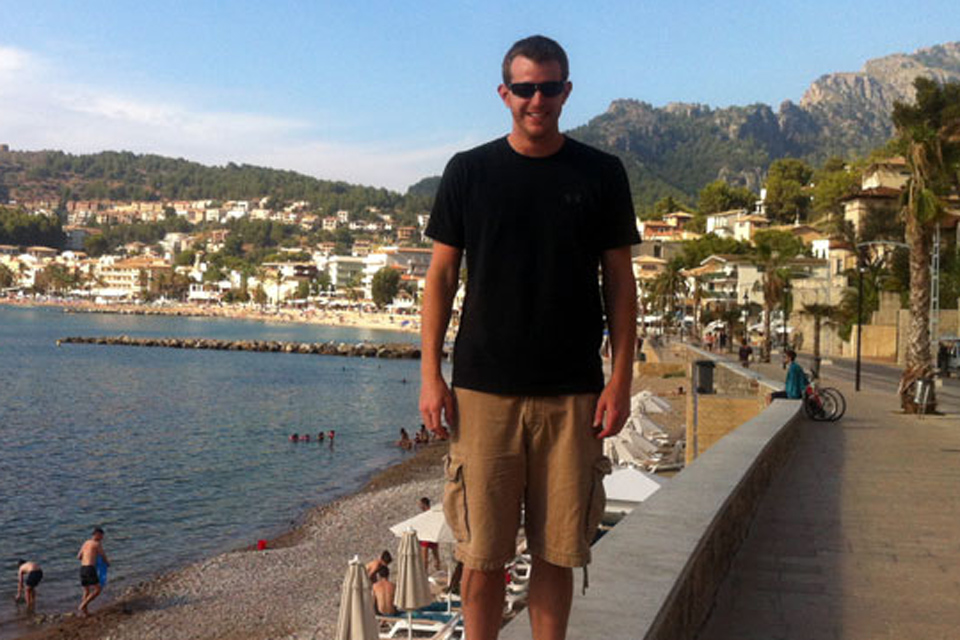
{"points": [[859, 535]]}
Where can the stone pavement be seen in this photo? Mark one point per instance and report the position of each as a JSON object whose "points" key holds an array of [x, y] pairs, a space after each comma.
{"points": [[858, 536]]}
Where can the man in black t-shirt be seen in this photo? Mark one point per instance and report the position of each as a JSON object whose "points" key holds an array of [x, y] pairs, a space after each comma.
{"points": [[537, 216]]}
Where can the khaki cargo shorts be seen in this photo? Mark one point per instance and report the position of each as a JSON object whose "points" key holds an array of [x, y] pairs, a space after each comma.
{"points": [[532, 455]]}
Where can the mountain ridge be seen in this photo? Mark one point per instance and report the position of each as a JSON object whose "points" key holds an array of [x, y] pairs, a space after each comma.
{"points": [[676, 149]]}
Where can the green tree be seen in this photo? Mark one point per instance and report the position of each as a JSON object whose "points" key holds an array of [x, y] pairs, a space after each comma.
{"points": [[7, 277], [831, 183], [787, 198], [20, 228], [695, 251], [303, 289], [720, 196], [185, 258], [928, 136], [386, 284], [54, 278], [259, 295]]}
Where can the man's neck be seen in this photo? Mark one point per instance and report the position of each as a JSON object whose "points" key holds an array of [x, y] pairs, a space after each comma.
{"points": [[536, 148]]}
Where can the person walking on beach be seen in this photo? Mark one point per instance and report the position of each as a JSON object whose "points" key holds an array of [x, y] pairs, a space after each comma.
{"points": [[537, 216], [29, 575], [89, 577]]}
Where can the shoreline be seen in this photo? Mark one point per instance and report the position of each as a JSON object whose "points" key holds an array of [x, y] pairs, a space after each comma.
{"points": [[332, 318], [215, 597]]}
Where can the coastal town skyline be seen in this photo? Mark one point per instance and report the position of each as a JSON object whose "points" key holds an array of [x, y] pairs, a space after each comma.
{"points": [[323, 90]]}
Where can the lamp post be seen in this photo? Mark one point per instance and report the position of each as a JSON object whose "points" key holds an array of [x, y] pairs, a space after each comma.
{"points": [[783, 329], [861, 267], [746, 316]]}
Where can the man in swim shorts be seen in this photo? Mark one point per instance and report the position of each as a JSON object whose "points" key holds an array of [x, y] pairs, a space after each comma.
{"points": [[426, 547], [536, 216], [29, 575], [89, 578]]}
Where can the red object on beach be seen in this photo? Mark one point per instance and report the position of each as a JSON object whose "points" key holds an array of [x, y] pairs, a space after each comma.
{"points": [[261, 545]]}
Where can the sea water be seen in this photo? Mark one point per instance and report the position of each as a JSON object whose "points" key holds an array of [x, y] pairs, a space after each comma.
{"points": [[178, 454]]}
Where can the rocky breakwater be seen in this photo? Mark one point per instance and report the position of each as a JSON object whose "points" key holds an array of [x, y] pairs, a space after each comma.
{"points": [[361, 349]]}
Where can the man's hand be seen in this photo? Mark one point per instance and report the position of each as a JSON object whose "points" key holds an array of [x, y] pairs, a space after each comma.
{"points": [[613, 409], [436, 403]]}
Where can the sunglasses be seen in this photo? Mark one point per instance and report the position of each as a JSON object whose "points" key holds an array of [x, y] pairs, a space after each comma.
{"points": [[549, 89]]}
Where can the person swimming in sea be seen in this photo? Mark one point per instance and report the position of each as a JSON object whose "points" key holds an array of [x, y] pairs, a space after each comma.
{"points": [[294, 437]]}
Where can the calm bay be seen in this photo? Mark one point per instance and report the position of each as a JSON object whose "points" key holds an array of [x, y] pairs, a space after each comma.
{"points": [[178, 454]]}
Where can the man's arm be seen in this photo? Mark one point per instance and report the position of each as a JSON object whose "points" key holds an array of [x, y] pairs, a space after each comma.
{"points": [[443, 277], [620, 302]]}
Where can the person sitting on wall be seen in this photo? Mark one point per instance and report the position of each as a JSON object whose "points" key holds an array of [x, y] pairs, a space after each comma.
{"points": [[796, 382]]}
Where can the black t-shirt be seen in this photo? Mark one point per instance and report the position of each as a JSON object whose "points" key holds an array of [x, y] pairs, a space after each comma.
{"points": [[532, 230]]}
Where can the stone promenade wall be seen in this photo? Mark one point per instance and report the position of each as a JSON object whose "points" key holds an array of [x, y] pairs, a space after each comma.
{"points": [[655, 574]]}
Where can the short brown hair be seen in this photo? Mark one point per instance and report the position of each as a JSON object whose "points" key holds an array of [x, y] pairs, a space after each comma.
{"points": [[540, 49]]}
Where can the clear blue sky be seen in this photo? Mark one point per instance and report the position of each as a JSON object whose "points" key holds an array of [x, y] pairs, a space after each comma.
{"points": [[381, 93]]}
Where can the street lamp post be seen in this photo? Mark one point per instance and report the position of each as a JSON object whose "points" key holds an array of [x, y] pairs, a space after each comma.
{"points": [[860, 269], [783, 330], [746, 316]]}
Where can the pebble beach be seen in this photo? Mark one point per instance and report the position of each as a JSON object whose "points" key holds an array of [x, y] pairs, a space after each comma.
{"points": [[289, 590], [292, 588]]}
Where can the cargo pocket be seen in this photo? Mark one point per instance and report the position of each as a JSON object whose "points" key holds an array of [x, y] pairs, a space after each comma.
{"points": [[455, 499], [598, 497]]}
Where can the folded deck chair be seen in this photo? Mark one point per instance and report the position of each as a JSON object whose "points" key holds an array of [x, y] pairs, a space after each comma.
{"points": [[423, 623]]}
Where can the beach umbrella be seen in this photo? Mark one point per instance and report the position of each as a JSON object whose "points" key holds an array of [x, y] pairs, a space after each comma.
{"points": [[413, 588], [430, 525], [357, 620]]}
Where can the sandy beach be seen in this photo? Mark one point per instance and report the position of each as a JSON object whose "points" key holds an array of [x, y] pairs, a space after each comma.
{"points": [[328, 317]]}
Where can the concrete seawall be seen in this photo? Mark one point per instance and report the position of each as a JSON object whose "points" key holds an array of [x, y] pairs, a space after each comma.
{"points": [[362, 350], [655, 575]]}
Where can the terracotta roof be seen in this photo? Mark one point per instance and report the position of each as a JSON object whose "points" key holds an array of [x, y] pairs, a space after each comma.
{"points": [[875, 193], [702, 270]]}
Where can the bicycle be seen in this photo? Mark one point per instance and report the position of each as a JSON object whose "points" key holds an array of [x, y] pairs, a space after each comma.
{"points": [[823, 404]]}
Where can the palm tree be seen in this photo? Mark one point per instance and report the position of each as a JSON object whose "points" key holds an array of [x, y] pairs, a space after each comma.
{"points": [[697, 300], [928, 134], [7, 279], [773, 250], [670, 286], [773, 284], [642, 293], [822, 314]]}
